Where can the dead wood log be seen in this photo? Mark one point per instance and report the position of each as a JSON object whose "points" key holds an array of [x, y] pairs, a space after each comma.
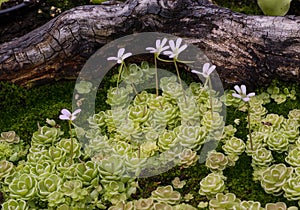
{"points": [[246, 49]]}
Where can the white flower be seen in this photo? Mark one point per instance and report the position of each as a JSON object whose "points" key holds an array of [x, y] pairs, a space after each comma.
{"points": [[241, 93], [121, 56], [176, 49], [160, 46], [67, 115], [206, 70]]}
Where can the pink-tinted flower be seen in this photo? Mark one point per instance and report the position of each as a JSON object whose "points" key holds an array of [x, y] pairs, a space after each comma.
{"points": [[67, 115]]}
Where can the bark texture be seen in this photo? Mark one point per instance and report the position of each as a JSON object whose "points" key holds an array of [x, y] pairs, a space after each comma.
{"points": [[246, 49]]}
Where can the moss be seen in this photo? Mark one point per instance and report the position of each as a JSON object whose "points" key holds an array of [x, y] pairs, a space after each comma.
{"points": [[242, 6]]}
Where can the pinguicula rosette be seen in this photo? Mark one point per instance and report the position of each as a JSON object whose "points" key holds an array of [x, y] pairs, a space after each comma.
{"points": [[291, 188], [6, 168], [224, 201], [212, 184], [23, 187], [188, 158], [15, 204], [216, 161], [274, 177], [250, 205], [261, 158], [166, 195]]}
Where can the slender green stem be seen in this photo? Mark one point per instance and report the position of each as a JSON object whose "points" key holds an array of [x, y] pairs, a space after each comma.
{"points": [[156, 73], [72, 143], [180, 82], [119, 75], [249, 126], [210, 98]]}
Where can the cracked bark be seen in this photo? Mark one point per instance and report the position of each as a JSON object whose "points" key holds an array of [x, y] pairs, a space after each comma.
{"points": [[246, 49]]}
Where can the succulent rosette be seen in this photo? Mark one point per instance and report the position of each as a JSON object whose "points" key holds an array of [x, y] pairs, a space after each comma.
{"points": [[97, 121], [46, 136], [250, 205], [83, 87], [111, 168], [166, 195], [122, 205], [143, 204], [177, 183], [139, 113], [291, 130], [143, 98], [23, 187], [276, 206], [171, 90], [42, 169], [74, 189], [212, 123], [227, 201], [293, 157], [148, 148], [216, 161], [119, 97], [166, 140], [55, 155], [190, 136], [274, 177], [188, 158], [295, 115], [262, 158], [147, 70], [55, 198], [66, 169], [10, 137], [212, 184], [189, 111], [234, 146], [6, 168], [13, 204], [65, 145], [277, 141], [133, 75], [275, 120], [87, 173], [166, 115], [49, 184], [291, 188], [134, 163], [162, 206]]}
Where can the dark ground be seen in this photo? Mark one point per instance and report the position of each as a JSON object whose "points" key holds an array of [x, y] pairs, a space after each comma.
{"points": [[17, 23]]}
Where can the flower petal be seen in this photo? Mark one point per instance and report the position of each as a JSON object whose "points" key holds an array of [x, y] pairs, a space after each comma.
{"points": [[211, 69], [243, 87], [236, 95], [182, 48], [112, 58], [121, 52], [178, 43], [196, 72], [163, 42], [205, 67], [66, 112], [238, 89], [64, 117], [126, 56], [172, 45], [251, 94], [246, 99]]}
